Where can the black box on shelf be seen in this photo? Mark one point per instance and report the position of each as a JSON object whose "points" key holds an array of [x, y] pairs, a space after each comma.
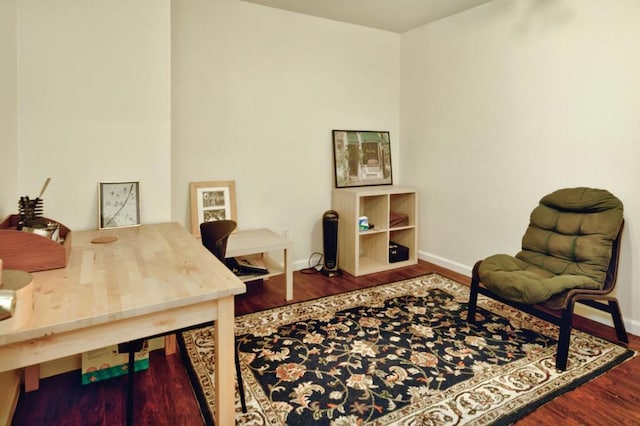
{"points": [[397, 252]]}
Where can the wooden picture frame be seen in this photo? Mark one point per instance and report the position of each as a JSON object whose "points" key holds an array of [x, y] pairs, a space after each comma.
{"points": [[118, 204], [361, 158], [212, 201]]}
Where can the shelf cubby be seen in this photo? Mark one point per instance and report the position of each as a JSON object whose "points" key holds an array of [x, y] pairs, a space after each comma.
{"points": [[366, 252]]}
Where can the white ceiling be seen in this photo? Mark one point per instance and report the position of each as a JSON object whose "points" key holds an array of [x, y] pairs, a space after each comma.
{"points": [[391, 15]]}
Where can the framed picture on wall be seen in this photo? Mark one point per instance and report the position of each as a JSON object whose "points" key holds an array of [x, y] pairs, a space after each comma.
{"points": [[212, 201], [361, 158], [118, 204]]}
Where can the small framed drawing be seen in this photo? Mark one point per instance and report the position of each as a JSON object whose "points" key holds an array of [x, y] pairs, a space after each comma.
{"points": [[118, 204], [212, 201], [361, 158]]}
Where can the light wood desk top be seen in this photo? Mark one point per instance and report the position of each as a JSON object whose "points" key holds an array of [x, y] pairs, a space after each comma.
{"points": [[148, 269], [153, 279]]}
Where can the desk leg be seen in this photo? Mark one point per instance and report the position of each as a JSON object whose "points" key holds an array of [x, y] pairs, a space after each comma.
{"points": [[170, 344], [32, 378], [224, 362], [288, 273]]}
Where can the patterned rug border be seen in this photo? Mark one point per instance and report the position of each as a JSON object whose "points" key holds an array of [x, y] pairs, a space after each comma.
{"points": [[327, 306]]}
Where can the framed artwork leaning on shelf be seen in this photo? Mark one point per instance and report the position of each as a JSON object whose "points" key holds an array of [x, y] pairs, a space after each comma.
{"points": [[118, 204], [361, 158], [212, 201]]}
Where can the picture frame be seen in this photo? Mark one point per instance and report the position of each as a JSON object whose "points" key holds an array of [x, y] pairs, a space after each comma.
{"points": [[118, 204], [362, 158], [213, 200]]}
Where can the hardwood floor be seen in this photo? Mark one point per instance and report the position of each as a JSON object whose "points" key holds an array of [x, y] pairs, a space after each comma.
{"points": [[164, 396]]}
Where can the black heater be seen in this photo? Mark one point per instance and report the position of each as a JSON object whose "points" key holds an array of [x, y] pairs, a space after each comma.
{"points": [[330, 243]]}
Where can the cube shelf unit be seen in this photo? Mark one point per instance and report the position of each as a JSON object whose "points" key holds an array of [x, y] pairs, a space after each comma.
{"points": [[366, 252]]}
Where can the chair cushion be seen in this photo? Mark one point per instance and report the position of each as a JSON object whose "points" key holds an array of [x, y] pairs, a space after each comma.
{"points": [[519, 281], [568, 244]]}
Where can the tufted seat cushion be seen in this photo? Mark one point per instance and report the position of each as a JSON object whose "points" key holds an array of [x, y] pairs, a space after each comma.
{"points": [[567, 245]]}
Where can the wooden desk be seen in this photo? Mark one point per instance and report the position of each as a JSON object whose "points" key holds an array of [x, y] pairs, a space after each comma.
{"points": [[260, 242], [153, 279]]}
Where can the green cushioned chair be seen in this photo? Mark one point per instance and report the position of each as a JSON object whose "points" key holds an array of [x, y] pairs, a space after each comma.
{"points": [[569, 254]]}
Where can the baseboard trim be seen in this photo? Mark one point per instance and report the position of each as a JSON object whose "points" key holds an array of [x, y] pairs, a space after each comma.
{"points": [[445, 263]]}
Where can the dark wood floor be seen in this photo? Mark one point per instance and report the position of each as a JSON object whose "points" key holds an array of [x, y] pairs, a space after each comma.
{"points": [[164, 395]]}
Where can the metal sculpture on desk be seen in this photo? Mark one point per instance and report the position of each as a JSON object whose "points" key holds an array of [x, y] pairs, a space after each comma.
{"points": [[30, 211], [7, 304], [16, 299], [7, 300]]}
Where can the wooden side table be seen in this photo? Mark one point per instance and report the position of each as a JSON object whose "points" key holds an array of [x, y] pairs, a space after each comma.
{"points": [[259, 242]]}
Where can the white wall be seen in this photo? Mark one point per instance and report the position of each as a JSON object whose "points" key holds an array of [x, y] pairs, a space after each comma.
{"points": [[256, 92], [252, 94], [8, 108], [94, 104], [509, 101]]}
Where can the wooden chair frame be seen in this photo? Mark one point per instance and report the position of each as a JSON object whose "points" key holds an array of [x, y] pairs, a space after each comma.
{"points": [[559, 310]]}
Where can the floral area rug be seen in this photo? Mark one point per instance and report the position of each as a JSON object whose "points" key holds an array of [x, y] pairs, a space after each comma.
{"points": [[396, 354]]}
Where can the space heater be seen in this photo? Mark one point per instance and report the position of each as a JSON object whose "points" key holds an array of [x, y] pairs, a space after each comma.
{"points": [[330, 243]]}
